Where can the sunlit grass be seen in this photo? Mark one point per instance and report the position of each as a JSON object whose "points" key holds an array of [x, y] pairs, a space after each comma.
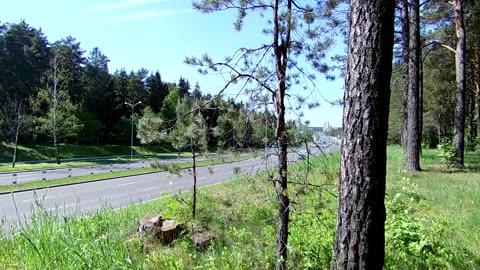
{"points": [[29, 153], [441, 195], [432, 223], [51, 165]]}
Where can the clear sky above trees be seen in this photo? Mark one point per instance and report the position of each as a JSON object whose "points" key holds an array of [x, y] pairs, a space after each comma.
{"points": [[157, 35]]}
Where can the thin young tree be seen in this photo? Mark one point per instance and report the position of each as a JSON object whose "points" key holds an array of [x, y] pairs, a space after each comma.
{"points": [[14, 120], [188, 132], [59, 120], [294, 31], [360, 233]]}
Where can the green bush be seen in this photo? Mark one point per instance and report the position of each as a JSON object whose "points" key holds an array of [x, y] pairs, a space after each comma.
{"points": [[448, 154], [409, 244]]}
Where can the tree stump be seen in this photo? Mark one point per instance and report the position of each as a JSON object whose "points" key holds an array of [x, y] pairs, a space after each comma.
{"points": [[166, 230]]}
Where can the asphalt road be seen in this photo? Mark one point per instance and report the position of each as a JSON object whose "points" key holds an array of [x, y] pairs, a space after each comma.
{"points": [[119, 192], [49, 174], [15, 208]]}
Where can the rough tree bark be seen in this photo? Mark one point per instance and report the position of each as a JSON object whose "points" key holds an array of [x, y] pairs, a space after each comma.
{"points": [[476, 77], [420, 107], [412, 153], [477, 86], [472, 135], [460, 70], [360, 238], [405, 43]]}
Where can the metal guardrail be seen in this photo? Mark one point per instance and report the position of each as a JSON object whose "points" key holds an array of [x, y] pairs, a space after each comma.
{"points": [[79, 159], [67, 172]]}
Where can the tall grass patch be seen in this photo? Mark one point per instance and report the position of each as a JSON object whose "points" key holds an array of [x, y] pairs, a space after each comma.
{"points": [[431, 223]]}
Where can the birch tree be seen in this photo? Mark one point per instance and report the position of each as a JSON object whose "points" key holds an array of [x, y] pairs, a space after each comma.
{"points": [[55, 112]]}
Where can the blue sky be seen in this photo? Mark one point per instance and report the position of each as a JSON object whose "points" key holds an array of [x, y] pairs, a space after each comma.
{"points": [[158, 35]]}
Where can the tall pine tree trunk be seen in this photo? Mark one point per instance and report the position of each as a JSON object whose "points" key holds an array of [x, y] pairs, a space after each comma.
{"points": [[420, 106], [412, 153], [460, 70], [472, 135], [360, 234], [477, 85], [405, 43]]}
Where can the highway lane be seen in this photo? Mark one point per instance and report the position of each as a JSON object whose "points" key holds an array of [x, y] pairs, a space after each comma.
{"points": [[116, 193], [49, 174], [120, 192]]}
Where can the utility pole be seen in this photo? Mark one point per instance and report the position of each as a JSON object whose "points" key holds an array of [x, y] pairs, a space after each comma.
{"points": [[132, 106]]}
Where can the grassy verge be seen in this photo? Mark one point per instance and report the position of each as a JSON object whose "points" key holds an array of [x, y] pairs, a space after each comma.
{"points": [[29, 153], [110, 175], [40, 166], [432, 223], [446, 204]]}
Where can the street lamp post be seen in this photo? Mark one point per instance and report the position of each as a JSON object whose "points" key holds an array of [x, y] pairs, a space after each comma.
{"points": [[132, 106]]}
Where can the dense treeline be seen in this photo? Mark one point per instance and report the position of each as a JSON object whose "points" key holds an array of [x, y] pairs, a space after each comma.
{"points": [[447, 95], [57, 92]]}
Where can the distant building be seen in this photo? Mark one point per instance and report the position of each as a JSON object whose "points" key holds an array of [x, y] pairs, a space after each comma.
{"points": [[326, 126]]}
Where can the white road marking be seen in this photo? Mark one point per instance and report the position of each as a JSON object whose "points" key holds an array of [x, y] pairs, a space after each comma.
{"points": [[39, 198], [126, 184], [145, 189]]}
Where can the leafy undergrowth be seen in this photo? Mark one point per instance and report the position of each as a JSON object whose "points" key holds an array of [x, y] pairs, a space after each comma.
{"points": [[241, 215], [433, 215]]}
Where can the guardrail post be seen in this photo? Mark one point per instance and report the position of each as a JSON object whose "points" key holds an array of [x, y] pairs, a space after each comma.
{"points": [[44, 175], [69, 172], [14, 179]]}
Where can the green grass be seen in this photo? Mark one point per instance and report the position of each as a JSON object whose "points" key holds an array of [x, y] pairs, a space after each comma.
{"points": [[432, 223], [40, 166], [33, 153], [445, 198], [103, 176]]}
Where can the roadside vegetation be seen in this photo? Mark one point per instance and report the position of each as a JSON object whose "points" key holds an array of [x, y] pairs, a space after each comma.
{"points": [[432, 223], [44, 153]]}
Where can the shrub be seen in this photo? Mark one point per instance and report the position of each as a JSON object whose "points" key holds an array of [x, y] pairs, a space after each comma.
{"points": [[448, 154]]}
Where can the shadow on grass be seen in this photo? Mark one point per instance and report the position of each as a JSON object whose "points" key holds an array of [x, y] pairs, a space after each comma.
{"points": [[471, 160], [444, 169]]}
